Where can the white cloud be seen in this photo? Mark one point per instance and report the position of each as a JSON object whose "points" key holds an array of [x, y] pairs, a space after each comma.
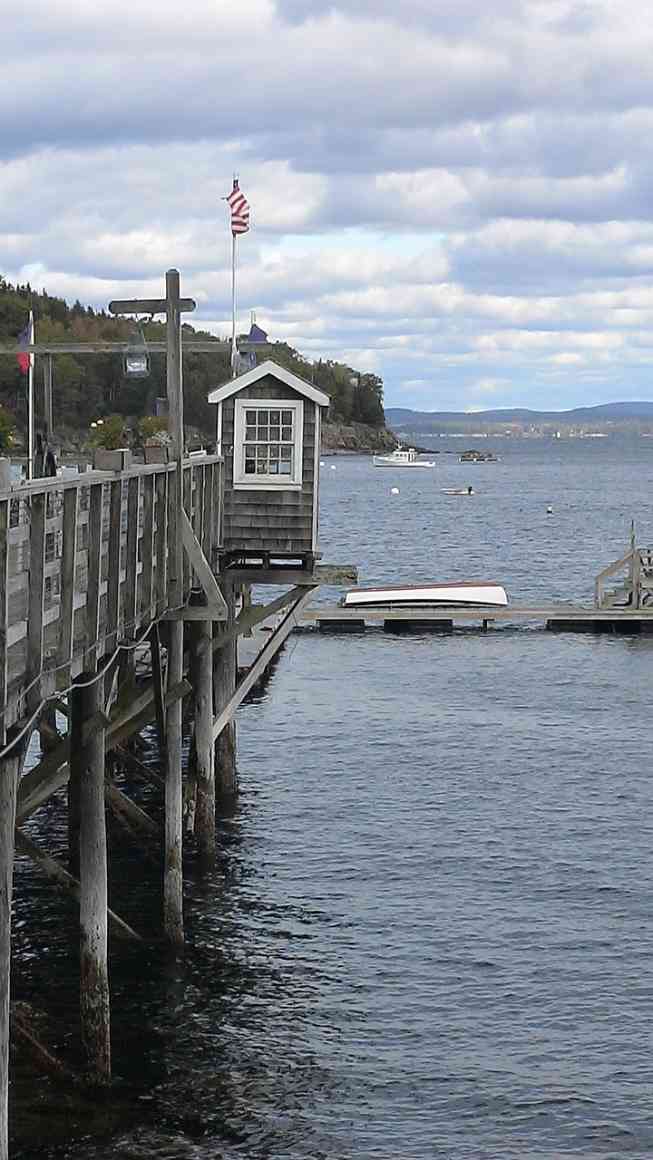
{"points": [[453, 195]]}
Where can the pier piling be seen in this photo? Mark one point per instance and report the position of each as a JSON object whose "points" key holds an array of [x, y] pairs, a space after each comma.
{"points": [[224, 683], [202, 670], [88, 706], [9, 774]]}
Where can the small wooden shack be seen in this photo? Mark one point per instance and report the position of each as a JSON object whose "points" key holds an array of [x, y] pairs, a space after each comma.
{"points": [[268, 430]]}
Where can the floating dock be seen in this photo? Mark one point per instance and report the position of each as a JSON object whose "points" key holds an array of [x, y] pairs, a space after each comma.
{"points": [[555, 617]]}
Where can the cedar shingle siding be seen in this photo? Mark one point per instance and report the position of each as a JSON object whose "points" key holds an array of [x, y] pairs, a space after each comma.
{"points": [[274, 521]]}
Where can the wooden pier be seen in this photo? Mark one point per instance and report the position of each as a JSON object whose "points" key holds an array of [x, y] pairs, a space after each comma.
{"points": [[123, 596]]}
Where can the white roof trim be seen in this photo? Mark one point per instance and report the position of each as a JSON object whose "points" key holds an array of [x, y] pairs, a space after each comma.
{"points": [[269, 367]]}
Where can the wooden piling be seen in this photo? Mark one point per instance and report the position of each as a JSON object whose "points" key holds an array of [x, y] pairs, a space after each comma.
{"points": [[9, 773], [224, 683], [173, 912], [48, 733], [202, 670], [87, 704]]}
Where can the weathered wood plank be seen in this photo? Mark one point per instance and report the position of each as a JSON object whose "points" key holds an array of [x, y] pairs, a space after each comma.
{"points": [[193, 550], [113, 578], [68, 563], [130, 590], [36, 598], [162, 579], [4, 612], [94, 571]]}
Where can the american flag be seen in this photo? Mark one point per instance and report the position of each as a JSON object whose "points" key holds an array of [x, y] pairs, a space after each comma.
{"points": [[239, 207]]}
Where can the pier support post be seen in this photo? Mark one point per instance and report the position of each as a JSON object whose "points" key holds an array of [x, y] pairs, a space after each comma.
{"points": [[173, 905], [48, 734], [202, 676], [224, 684], [9, 773], [87, 705]]}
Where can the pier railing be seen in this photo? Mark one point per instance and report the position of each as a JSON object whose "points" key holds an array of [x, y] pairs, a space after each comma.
{"points": [[85, 563], [632, 580]]}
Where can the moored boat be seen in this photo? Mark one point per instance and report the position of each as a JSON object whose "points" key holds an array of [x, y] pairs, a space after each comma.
{"points": [[401, 457], [459, 594], [474, 456]]}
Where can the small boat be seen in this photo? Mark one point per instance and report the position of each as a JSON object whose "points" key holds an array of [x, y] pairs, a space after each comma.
{"points": [[401, 457], [460, 594], [474, 456], [458, 491]]}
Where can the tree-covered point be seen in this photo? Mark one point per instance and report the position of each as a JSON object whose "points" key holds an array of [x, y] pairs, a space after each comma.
{"points": [[88, 386]]}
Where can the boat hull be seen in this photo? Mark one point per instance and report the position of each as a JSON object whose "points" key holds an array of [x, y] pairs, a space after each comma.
{"points": [[380, 462], [457, 595]]}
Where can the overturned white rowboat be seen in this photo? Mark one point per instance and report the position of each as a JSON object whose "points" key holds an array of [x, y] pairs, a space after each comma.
{"points": [[460, 594]]}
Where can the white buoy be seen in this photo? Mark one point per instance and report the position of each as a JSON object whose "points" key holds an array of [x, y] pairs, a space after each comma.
{"points": [[333, 466], [394, 491]]}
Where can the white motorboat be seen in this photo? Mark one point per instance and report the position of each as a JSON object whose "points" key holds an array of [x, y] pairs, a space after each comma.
{"points": [[401, 457], [457, 490], [460, 594]]}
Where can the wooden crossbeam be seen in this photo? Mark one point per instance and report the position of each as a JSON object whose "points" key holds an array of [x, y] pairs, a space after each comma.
{"points": [[287, 574], [254, 615], [262, 661], [52, 772], [53, 869]]}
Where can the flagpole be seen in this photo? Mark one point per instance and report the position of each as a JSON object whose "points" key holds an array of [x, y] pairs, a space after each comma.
{"points": [[233, 305], [30, 406]]}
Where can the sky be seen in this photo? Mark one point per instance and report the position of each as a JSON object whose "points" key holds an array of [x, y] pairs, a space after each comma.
{"points": [[454, 195]]}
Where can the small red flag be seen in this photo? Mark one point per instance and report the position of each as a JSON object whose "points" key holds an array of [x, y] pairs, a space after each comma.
{"points": [[26, 338]]}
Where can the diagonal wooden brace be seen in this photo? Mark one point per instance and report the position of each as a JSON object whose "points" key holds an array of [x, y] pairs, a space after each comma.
{"points": [[217, 608], [262, 661]]}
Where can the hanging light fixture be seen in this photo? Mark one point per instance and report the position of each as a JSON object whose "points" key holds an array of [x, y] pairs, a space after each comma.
{"points": [[136, 362]]}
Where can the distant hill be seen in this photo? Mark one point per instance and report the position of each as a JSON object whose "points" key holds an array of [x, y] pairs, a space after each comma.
{"points": [[403, 418]]}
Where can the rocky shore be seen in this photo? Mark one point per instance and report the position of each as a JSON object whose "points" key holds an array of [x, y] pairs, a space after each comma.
{"points": [[356, 437]]}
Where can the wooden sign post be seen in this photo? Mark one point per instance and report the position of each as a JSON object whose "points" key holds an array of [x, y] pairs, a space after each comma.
{"points": [[172, 306]]}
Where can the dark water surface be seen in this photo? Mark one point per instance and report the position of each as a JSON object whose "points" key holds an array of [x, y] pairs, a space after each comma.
{"points": [[430, 933]]}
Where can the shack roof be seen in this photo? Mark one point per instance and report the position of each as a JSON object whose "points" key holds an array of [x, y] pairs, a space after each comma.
{"points": [[269, 367]]}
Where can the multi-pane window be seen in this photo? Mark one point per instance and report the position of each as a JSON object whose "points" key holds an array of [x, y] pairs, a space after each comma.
{"points": [[269, 444]]}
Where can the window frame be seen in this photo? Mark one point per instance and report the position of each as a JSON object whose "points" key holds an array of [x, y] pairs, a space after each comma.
{"points": [[291, 482]]}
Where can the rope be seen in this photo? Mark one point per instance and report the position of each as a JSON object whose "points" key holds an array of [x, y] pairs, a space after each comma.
{"points": [[125, 646]]}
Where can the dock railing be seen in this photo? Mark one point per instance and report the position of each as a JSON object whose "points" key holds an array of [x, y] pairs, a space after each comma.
{"points": [[84, 564], [632, 577]]}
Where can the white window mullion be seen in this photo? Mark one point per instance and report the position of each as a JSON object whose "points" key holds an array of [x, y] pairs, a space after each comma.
{"points": [[268, 432]]}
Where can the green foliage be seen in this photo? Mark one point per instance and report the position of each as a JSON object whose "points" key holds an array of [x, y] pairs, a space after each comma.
{"points": [[152, 428], [6, 430], [112, 433], [88, 385]]}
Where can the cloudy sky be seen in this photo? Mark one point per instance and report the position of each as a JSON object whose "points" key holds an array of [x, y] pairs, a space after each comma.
{"points": [[455, 195]]}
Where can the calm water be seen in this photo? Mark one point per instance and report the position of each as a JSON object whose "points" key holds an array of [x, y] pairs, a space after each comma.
{"points": [[431, 931]]}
